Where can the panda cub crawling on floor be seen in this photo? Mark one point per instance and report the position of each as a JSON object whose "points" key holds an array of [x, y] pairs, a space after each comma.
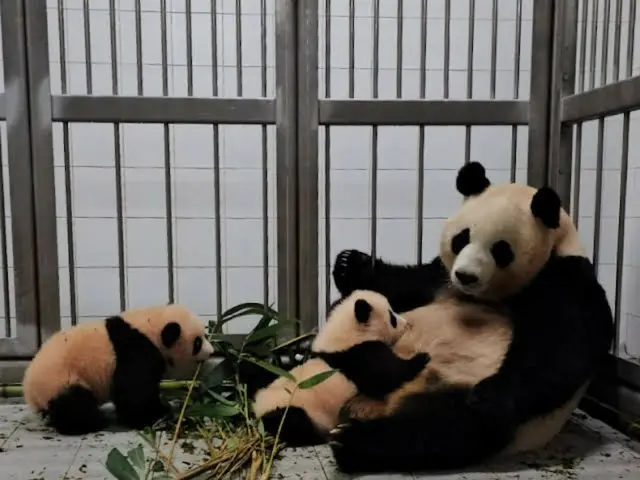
{"points": [[120, 359], [356, 341]]}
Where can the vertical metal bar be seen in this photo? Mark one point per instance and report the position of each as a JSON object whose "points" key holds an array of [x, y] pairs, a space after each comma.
{"points": [[216, 160], [239, 47], [617, 41], [352, 47], [189, 43], [597, 220], [44, 206], [516, 89], [624, 170], [286, 161], [467, 128], [265, 157], [21, 192], [62, 47], [421, 136], [138, 12], [539, 103], [5, 260], [447, 47], [168, 184], [374, 130], [577, 165], [116, 142], [399, 36], [593, 46], [494, 49], [563, 84], [308, 163], [87, 45], [327, 159]]}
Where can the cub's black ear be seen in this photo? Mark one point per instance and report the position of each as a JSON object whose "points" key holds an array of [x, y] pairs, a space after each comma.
{"points": [[170, 334], [472, 179], [546, 205], [362, 310]]}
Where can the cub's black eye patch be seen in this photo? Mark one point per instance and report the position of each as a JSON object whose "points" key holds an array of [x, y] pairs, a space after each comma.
{"points": [[393, 319], [460, 240], [197, 345], [502, 254]]}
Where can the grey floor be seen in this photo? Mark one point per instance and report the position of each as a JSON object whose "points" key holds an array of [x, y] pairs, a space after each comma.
{"points": [[587, 449]]}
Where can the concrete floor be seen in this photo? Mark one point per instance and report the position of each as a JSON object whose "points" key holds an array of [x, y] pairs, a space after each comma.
{"points": [[587, 449]]}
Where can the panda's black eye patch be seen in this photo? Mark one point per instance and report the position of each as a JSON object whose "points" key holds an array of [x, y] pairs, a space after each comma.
{"points": [[460, 240], [197, 345], [502, 253]]}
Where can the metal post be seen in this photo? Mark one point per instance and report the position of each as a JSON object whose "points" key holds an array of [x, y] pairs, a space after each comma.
{"points": [[562, 84], [307, 107]]}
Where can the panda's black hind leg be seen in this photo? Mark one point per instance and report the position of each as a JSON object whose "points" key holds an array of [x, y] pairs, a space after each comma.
{"points": [[297, 429], [75, 412]]}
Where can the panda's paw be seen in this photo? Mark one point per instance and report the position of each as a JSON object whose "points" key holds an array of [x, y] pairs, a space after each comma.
{"points": [[351, 270], [342, 442]]}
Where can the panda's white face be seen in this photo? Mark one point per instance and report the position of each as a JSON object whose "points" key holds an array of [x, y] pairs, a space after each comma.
{"points": [[493, 245]]}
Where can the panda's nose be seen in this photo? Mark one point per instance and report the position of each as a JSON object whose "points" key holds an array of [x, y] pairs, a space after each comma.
{"points": [[466, 278]]}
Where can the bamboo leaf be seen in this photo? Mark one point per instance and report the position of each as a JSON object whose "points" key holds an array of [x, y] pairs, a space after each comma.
{"points": [[315, 380], [118, 465], [263, 333], [293, 341], [213, 410], [136, 457], [271, 368]]}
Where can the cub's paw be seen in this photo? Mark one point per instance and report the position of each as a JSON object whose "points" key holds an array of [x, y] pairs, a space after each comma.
{"points": [[350, 270], [339, 441]]}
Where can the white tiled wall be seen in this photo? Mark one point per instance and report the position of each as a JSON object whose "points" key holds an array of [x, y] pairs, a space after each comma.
{"points": [[91, 148]]}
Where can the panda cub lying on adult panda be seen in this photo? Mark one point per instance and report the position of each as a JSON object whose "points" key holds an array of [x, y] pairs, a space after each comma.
{"points": [[514, 319], [120, 359], [356, 341]]}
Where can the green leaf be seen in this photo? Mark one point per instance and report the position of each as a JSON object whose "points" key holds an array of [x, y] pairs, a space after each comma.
{"points": [[271, 368], [221, 399], [216, 375], [118, 466], [315, 380], [136, 457], [263, 333], [213, 410]]}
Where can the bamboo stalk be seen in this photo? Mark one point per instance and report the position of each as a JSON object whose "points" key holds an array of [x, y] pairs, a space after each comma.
{"points": [[13, 390]]}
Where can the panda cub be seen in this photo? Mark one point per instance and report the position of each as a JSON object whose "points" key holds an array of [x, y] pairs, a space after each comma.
{"points": [[120, 359], [356, 341]]}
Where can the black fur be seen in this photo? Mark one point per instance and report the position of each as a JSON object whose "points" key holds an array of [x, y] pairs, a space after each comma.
{"points": [[406, 287], [297, 429], [374, 368], [135, 389], [75, 412], [139, 368], [170, 334], [563, 328], [545, 205], [472, 179]]}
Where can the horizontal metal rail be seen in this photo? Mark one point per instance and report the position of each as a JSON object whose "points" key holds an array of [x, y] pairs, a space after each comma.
{"points": [[424, 112], [122, 109], [611, 99]]}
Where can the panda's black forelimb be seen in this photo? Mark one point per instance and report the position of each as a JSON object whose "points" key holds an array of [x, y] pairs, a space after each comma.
{"points": [[405, 286], [384, 371], [297, 429], [135, 388]]}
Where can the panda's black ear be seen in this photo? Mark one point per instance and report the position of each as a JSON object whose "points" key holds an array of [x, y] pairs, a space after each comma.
{"points": [[546, 205], [362, 310], [170, 334], [472, 179]]}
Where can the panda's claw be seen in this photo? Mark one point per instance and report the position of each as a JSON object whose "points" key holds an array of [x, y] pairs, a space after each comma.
{"points": [[350, 270]]}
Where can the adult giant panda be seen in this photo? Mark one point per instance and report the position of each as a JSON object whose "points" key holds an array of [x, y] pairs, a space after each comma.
{"points": [[509, 252], [120, 359]]}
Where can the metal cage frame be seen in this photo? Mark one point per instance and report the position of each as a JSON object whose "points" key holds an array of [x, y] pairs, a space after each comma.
{"points": [[552, 113]]}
